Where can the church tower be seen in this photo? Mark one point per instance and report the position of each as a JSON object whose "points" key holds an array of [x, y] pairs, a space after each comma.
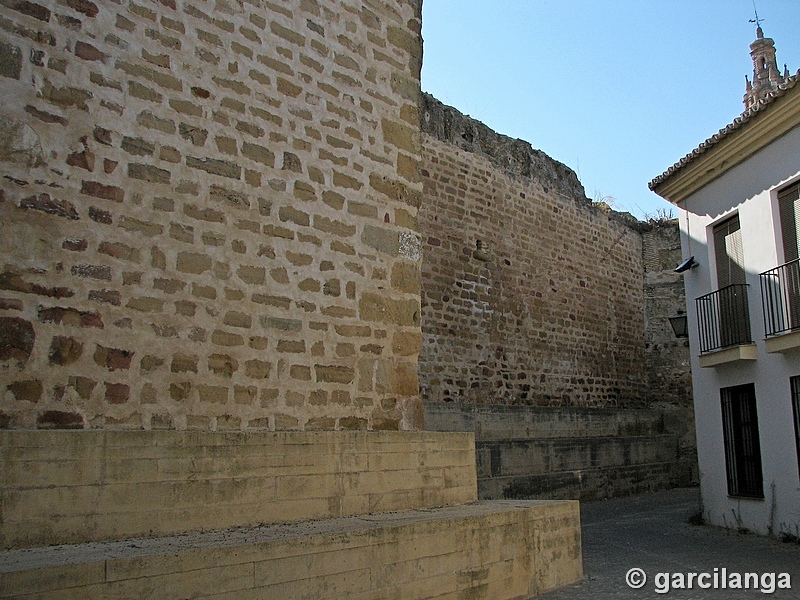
{"points": [[766, 76]]}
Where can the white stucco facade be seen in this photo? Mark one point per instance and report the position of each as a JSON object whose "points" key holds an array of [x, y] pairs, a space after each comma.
{"points": [[734, 176], [749, 190]]}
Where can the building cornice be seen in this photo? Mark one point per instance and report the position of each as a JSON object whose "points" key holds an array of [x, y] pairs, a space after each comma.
{"points": [[769, 119]]}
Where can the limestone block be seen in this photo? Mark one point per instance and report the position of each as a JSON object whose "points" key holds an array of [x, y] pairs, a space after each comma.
{"points": [[72, 486], [499, 550]]}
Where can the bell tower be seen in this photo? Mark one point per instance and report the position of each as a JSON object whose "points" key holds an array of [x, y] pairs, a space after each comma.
{"points": [[766, 76]]}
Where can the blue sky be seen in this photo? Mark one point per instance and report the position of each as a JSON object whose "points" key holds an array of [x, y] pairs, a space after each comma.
{"points": [[618, 91]]}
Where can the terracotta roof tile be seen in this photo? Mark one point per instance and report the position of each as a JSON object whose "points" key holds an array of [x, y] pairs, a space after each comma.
{"points": [[738, 123]]}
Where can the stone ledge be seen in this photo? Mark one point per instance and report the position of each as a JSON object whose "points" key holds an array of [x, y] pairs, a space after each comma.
{"points": [[593, 483], [539, 456], [501, 422], [783, 343], [78, 486], [744, 352], [499, 550]]}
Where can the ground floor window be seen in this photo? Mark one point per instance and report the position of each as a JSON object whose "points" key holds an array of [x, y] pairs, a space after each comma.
{"points": [[796, 412], [742, 446]]}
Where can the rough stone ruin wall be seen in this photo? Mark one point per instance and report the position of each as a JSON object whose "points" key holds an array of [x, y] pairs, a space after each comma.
{"points": [[209, 214], [531, 295], [669, 375], [667, 356]]}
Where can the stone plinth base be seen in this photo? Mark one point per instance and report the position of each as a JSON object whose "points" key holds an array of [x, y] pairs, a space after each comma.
{"points": [[357, 515], [62, 487], [566, 452], [494, 550]]}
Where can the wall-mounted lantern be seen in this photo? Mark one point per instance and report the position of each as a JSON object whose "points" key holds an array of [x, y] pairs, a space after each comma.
{"points": [[680, 324]]}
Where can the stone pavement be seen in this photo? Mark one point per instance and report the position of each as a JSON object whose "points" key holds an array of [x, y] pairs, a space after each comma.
{"points": [[651, 532]]}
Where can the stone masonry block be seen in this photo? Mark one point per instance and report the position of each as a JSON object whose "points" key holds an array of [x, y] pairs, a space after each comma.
{"points": [[334, 374], [10, 61], [400, 135], [148, 173], [192, 262], [374, 307], [44, 203], [215, 167]]}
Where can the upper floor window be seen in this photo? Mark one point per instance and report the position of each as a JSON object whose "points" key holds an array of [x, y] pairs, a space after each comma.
{"points": [[728, 252], [789, 209]]}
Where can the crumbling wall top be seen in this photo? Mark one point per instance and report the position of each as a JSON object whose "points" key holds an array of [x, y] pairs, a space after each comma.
{"points": [[516, 157]]}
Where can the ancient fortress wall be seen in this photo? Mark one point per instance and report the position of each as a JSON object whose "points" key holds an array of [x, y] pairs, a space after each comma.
{"points": [[669, 374], [531, 295], [209, 214], [667, 356]]}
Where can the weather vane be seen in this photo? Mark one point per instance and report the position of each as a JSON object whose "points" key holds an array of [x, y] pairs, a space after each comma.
{"points": [[757, 21]]}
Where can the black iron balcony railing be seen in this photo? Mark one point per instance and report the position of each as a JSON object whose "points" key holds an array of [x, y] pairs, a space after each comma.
{"points": [[780, 295], [723, 318]]}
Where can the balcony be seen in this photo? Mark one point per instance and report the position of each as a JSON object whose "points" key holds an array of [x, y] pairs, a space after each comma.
{"points": [[723, 319], [780, 295]]}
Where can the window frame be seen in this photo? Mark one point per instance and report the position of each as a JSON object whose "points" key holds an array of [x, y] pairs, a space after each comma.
{"points": [[794, 383], [729, 268], [784, 214], [741, 439]]}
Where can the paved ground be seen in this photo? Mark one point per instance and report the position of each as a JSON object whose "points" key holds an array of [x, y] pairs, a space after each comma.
{"points": [[651, 532]]}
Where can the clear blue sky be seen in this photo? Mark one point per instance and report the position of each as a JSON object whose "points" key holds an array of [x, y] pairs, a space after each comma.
{"points": [[617, 90]]}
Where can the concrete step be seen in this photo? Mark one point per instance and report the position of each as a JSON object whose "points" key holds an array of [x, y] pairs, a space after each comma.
{"points": [[501, 422], [585, 484], [499, 550], [552, 455]]}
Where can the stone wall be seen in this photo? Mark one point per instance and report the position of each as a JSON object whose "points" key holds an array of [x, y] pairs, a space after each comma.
{"points": [[535, 298], [208, 214], [669, 374], [531, 294]]}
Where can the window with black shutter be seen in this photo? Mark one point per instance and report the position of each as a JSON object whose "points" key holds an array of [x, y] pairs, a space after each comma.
{"points": [[795, 381], [789, 208], [728, 252], [730, 304], [742, 445]]}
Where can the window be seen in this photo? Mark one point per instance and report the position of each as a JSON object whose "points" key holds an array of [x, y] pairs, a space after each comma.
{"points": [[789, 209], [795, 381], [728, 252], [742, 446], [729, 304]]}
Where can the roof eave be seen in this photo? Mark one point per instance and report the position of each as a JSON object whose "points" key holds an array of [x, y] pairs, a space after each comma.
{"points": [[748, 134]]}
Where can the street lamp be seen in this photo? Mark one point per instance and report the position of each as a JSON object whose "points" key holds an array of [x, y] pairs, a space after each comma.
{"points": [[680, 324]]}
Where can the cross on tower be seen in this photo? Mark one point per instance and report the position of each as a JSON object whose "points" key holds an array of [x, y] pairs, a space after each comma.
{"points": [[757, 21]]}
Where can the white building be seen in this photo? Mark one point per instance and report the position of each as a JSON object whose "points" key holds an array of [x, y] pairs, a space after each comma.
{"points": [[738, 196]]}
